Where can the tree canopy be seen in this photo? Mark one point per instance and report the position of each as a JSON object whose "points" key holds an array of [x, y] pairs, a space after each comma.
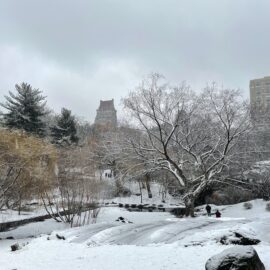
{"points": [[194, 136], [25, 109], [64, 132]]}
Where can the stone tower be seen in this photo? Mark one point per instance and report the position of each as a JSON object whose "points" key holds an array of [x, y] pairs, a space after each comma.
{"points": [[106, 114]]}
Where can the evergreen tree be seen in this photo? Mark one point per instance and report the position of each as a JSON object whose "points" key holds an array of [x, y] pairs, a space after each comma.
{"points": [[65, 131], [25, 109]]}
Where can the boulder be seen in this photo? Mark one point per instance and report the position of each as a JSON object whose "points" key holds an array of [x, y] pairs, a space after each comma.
{"points": [[239, 239], [236, 258]]}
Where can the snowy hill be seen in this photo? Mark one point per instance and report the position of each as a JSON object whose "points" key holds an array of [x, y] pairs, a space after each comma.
{"points": [[152, 241]]}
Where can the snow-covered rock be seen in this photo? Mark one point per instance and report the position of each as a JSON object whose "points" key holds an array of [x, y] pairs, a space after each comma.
{"points": [[123, 220], [238, 238], [236, 258]]}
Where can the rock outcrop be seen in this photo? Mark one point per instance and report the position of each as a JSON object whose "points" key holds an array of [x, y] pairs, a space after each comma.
{"points": [[239, 239], [236, 258]]}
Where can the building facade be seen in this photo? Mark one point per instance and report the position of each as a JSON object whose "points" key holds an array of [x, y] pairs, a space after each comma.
{"points": [[106, 114], [260, 94]]}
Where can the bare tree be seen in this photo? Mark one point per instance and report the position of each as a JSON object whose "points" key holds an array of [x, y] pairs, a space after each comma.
{"points": [[115, 152], [75, 192], [192, 136]]}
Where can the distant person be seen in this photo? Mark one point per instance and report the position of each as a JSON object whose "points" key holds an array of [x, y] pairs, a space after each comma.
{"points": [[218, 214], [208, 210]]}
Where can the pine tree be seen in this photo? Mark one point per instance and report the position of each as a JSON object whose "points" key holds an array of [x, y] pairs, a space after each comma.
{"points": [[25, 109], [65, 131]]}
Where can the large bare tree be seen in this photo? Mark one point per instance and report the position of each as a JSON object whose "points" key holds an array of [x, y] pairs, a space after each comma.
{"points": [[194, 136]]}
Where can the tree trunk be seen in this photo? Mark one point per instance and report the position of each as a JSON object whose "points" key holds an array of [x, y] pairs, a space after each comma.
{"points": [[189, 203], [147, 182], [119, 187], [143, 185], [140, 191]]}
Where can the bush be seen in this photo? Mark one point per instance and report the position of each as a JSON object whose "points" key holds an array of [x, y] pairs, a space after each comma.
{"points": [[229, 195], [15, 247], [26, 161], [267, 208], [247, 205]]}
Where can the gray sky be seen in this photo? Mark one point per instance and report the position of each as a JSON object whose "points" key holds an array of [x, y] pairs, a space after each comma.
{"points": [[79, 52]]}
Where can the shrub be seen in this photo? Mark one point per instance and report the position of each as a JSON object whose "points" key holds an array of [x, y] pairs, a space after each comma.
{"points": [[27, 167], [247, 205], [15, 247], [267, 206], [229, 195]]}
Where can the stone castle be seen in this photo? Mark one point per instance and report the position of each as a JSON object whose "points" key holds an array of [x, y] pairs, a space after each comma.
{"points": [[106, 114]]}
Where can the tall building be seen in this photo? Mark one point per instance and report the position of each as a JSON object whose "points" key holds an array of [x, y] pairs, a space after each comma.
{"points": [[260, 94], [106, 114]]}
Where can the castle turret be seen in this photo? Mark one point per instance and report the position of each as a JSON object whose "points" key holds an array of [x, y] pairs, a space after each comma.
{"points": [[106, 114]]}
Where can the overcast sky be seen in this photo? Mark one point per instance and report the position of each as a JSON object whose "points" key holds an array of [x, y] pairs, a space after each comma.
{"points": [[80, 51]]}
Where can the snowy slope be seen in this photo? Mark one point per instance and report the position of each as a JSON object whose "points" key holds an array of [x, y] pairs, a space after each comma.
{"points": [[153, 241]]}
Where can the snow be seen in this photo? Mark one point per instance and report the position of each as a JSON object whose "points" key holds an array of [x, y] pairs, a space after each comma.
{"points": [[109, 214], [258, 168], [12, 215], [156, 193], [34, 229], [98, 258], [154, 241]]}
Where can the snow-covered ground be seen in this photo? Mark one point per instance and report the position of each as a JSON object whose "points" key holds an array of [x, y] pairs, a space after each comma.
{"points": [[12, 215], [38, 210], [157, 197], [153, 241]]}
